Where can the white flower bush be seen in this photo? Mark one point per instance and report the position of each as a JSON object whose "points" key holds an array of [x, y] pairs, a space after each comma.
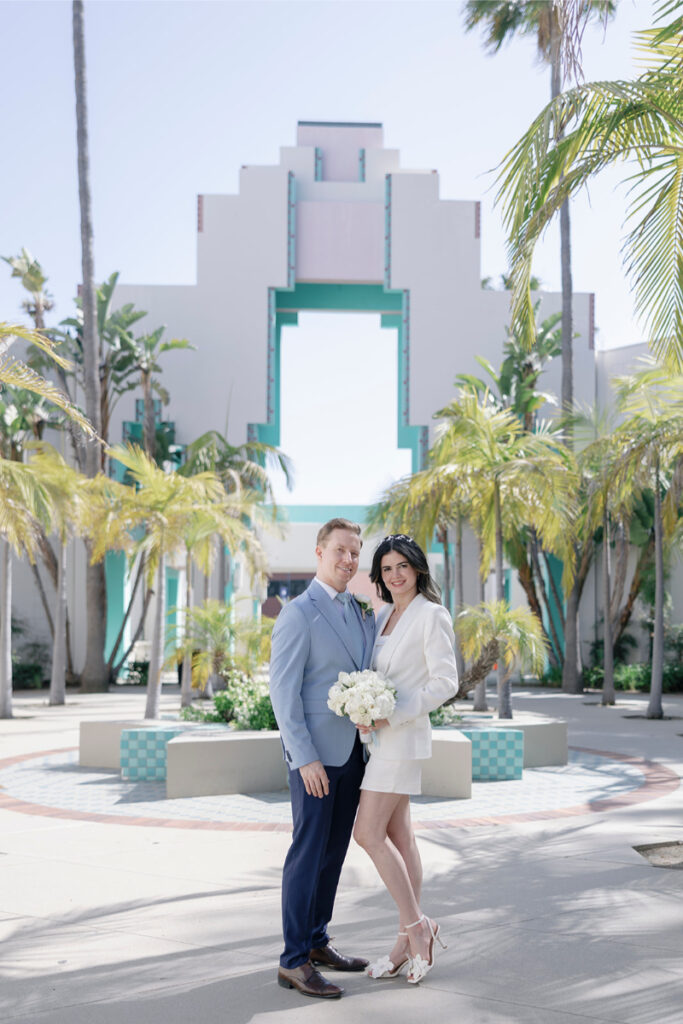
{"points": [[364, 697]]}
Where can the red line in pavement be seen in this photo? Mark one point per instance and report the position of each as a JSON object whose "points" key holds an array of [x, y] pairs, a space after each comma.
{"points": [[659, 780]]}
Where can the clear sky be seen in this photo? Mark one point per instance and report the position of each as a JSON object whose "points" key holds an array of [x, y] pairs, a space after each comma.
{"points": [[182, 94]]}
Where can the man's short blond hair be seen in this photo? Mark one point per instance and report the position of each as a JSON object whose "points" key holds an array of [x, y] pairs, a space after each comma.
{"points": [[336, 524]]}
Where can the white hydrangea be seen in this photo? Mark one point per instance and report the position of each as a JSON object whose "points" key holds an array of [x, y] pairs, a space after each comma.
{"points": [[364, 697]]}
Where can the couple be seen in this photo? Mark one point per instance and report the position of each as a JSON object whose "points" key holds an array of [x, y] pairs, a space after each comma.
{"points": [[319, 634]]}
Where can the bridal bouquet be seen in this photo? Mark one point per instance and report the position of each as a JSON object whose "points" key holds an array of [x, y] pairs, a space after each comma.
{"points": [[364, 697]]}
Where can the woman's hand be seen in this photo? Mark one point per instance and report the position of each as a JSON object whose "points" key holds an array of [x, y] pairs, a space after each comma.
{"points": [[379, 724]]}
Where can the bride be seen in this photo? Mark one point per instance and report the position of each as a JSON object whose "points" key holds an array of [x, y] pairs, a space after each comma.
{"points": [[414, 650]]}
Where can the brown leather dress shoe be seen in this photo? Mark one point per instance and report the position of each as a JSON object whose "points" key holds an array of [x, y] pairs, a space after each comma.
{"points": [[308, 981], [329, 957]]}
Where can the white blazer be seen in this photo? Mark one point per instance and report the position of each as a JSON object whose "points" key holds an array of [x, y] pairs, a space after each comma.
{"points": [[418, 659]]}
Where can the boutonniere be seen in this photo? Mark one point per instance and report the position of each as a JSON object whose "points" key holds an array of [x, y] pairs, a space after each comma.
{"points": [[364, 603]]}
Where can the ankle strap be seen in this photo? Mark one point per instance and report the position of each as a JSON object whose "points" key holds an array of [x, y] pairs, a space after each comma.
{"points": [[419, 921]]}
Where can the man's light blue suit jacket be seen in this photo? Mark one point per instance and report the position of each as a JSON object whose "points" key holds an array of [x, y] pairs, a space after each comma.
{"points": [[311, 645]]}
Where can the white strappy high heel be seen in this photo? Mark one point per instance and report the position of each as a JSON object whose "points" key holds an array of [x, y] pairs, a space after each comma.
{"points": [[386, 968], [419, 967]]}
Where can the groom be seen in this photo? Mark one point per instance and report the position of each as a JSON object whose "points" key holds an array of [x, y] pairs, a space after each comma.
{"points": [[318, 635]]}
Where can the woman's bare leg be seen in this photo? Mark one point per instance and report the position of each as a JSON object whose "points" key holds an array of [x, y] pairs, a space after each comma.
{"points": [[400, 832], [378, 813]]}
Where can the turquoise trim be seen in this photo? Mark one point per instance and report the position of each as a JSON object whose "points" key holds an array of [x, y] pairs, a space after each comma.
{"points": [[291, 229], [387, 232], [557, 614], [171, 606], [321, 513], [115, 575], [361, 165], [318, 164], [345, 298]]}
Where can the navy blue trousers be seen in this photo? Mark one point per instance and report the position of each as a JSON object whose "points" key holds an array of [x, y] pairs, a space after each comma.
{"points": [[322, 830]]}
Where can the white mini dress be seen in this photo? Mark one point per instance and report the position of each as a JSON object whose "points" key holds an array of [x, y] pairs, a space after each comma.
{"points": [[383, 775]]}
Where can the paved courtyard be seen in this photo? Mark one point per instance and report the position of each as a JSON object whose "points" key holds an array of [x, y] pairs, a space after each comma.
{"points": [[118, 905]]}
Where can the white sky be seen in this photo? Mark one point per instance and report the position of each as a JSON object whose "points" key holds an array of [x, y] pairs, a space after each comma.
{"points": [[182, 94]]}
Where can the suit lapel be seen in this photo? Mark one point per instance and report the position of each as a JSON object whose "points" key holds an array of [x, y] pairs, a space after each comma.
{"points": [[366, 628], [325, 606], [396, 636]]}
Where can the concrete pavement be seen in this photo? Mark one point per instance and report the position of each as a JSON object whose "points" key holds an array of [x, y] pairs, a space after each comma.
{"points": [[551, 918]]}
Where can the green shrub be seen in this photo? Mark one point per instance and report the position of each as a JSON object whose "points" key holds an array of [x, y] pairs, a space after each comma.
{"points": [[137, 673], [636, 677], [552, 677], [444, 716], [673, 677], [27, 675], [244, 702]]}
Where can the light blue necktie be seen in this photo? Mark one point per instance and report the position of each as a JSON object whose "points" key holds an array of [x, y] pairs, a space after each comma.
{"points": [[343, 599]]}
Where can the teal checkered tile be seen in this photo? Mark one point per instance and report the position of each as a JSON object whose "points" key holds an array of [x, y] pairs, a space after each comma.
{"points": [[497, 754], [143, 752]]}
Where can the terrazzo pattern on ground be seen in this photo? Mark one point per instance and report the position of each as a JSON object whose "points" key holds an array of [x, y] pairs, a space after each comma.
{"points": [[56, 781]]}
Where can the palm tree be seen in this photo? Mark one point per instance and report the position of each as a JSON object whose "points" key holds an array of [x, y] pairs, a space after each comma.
{"points": [[217, 644], [117, 370], [544, 20], [650, 456], [30, 273], [63, 487], [517, 478], [23, 504], [638, 123], [607, 507], [144, 354], [246, 467], [95, 676], [167, 505], [491, 633]]}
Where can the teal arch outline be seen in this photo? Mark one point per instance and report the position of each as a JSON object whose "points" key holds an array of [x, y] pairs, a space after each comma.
{"points": [[393, 306]]}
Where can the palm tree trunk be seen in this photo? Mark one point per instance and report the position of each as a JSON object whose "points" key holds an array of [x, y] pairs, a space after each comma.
{"points": [[5, 630], [565, 243], [459, 593], [136, 635], [608, 654], [654, 708], [572, 670], [556, 647], [149, 426], [504, 683], [644, 558], [621, 551], [95, 675], [442, 537], [480, 702], [156, 656], [220, 562], [35, 572], [58, 677], [186, 684], [525, 576], [126, 615]]}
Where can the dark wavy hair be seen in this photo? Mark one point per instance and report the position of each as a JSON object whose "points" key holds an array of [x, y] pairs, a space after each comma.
{"points": [[415, 557]]}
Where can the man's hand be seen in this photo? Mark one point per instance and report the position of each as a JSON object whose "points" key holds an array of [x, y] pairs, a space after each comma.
{"points": [[315, 779]]}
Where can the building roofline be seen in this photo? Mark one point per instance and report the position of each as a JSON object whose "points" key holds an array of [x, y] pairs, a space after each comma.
{"points": [[339, 124]]}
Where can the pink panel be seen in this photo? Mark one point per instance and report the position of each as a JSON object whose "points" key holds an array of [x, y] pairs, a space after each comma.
{"points": [[340, 241]]}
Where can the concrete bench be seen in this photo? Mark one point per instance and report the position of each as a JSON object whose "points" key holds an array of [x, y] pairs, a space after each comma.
{"points": [[545, 739], [211, 763], [99, 744], [251, 762], [497, 754], [448, 773], [143, 751]]}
